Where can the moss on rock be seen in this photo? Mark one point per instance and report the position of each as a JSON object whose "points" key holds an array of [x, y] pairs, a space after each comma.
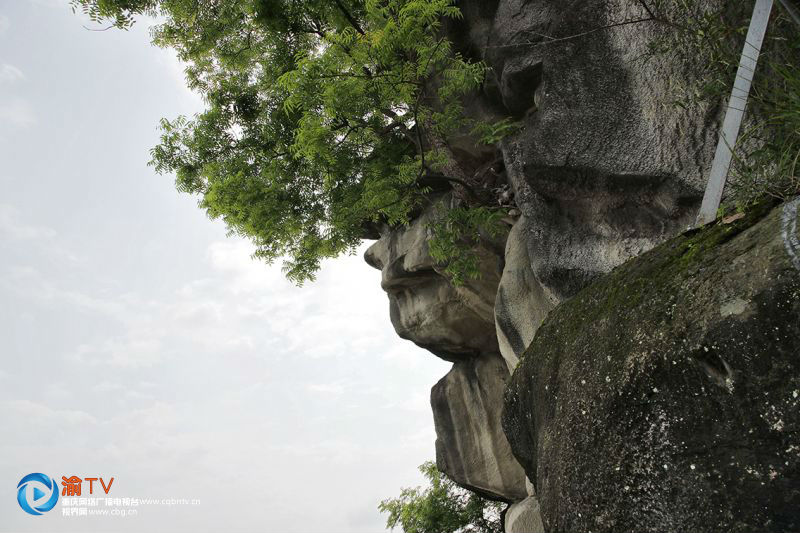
{"points": [[665, 396]]}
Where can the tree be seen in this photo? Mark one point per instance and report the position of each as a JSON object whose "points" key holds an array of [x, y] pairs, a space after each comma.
{"points": [[442, 507], [323, 117]]}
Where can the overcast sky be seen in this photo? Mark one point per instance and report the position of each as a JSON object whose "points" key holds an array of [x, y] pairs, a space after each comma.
{"points": [[139, 342]]}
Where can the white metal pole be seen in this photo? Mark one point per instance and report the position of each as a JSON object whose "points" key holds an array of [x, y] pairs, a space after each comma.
{"points": [[735, 112]]}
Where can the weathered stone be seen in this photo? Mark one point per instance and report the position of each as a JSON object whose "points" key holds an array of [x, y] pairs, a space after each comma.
{"points": [[605, 166], [524, 517], [470, 445], [452, 322], [666, 396], [521, 303], [456, 324]]}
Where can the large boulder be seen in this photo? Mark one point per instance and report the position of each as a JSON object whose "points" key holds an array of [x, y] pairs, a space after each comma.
{"points": [[666, 396], [470, 445], [604, 165]]}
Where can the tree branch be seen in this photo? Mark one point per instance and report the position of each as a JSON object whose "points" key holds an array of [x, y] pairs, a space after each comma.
{"points": [[98, 29], [350, 18], [469, 188], [577, 35]]}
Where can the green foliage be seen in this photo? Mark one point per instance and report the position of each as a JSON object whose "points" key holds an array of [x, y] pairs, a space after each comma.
{"points": [[769, 164], [455, 234], [442, 507], [713, 35], [322, 116], [490, 133], [119, 12]]}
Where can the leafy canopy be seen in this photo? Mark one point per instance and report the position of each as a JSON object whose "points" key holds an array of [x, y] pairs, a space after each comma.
{"points": [[323, 116], [442, 507]]}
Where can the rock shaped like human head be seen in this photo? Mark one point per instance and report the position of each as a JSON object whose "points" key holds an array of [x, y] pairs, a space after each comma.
{"points": [[453, 322], [457, 324]]}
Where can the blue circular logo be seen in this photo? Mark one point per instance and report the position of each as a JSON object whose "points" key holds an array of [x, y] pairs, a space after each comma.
{"points": [[36, 500]]}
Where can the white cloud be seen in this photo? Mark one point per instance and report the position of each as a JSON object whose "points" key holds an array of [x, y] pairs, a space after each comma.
{"points": [[335, 389], [107, 386], [233, 258], [226, 367], [45, 415], [33, 284], [12, 226], [4, 24], [9, 73], [120, 352], [16, 229], [51, 3], [17, 112], [157, 415]]}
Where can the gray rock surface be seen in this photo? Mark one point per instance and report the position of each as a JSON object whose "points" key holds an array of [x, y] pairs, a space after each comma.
{"points": [[666, 396], [456, 324], [603, 169], [605, 165], [524, 517], [470, 444], [521, 302]]}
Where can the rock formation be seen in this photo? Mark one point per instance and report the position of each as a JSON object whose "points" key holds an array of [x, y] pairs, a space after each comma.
{"points": [[603, 168], [524, 517], [470, 444], [456, 324], [666, 396]]}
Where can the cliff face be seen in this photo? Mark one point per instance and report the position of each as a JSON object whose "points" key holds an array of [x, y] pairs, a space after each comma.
{"points": [[664, 397], [456, 324], [604, 168]]}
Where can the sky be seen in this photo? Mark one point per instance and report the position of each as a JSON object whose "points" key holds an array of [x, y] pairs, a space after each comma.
{"points": [[140, 342]]}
